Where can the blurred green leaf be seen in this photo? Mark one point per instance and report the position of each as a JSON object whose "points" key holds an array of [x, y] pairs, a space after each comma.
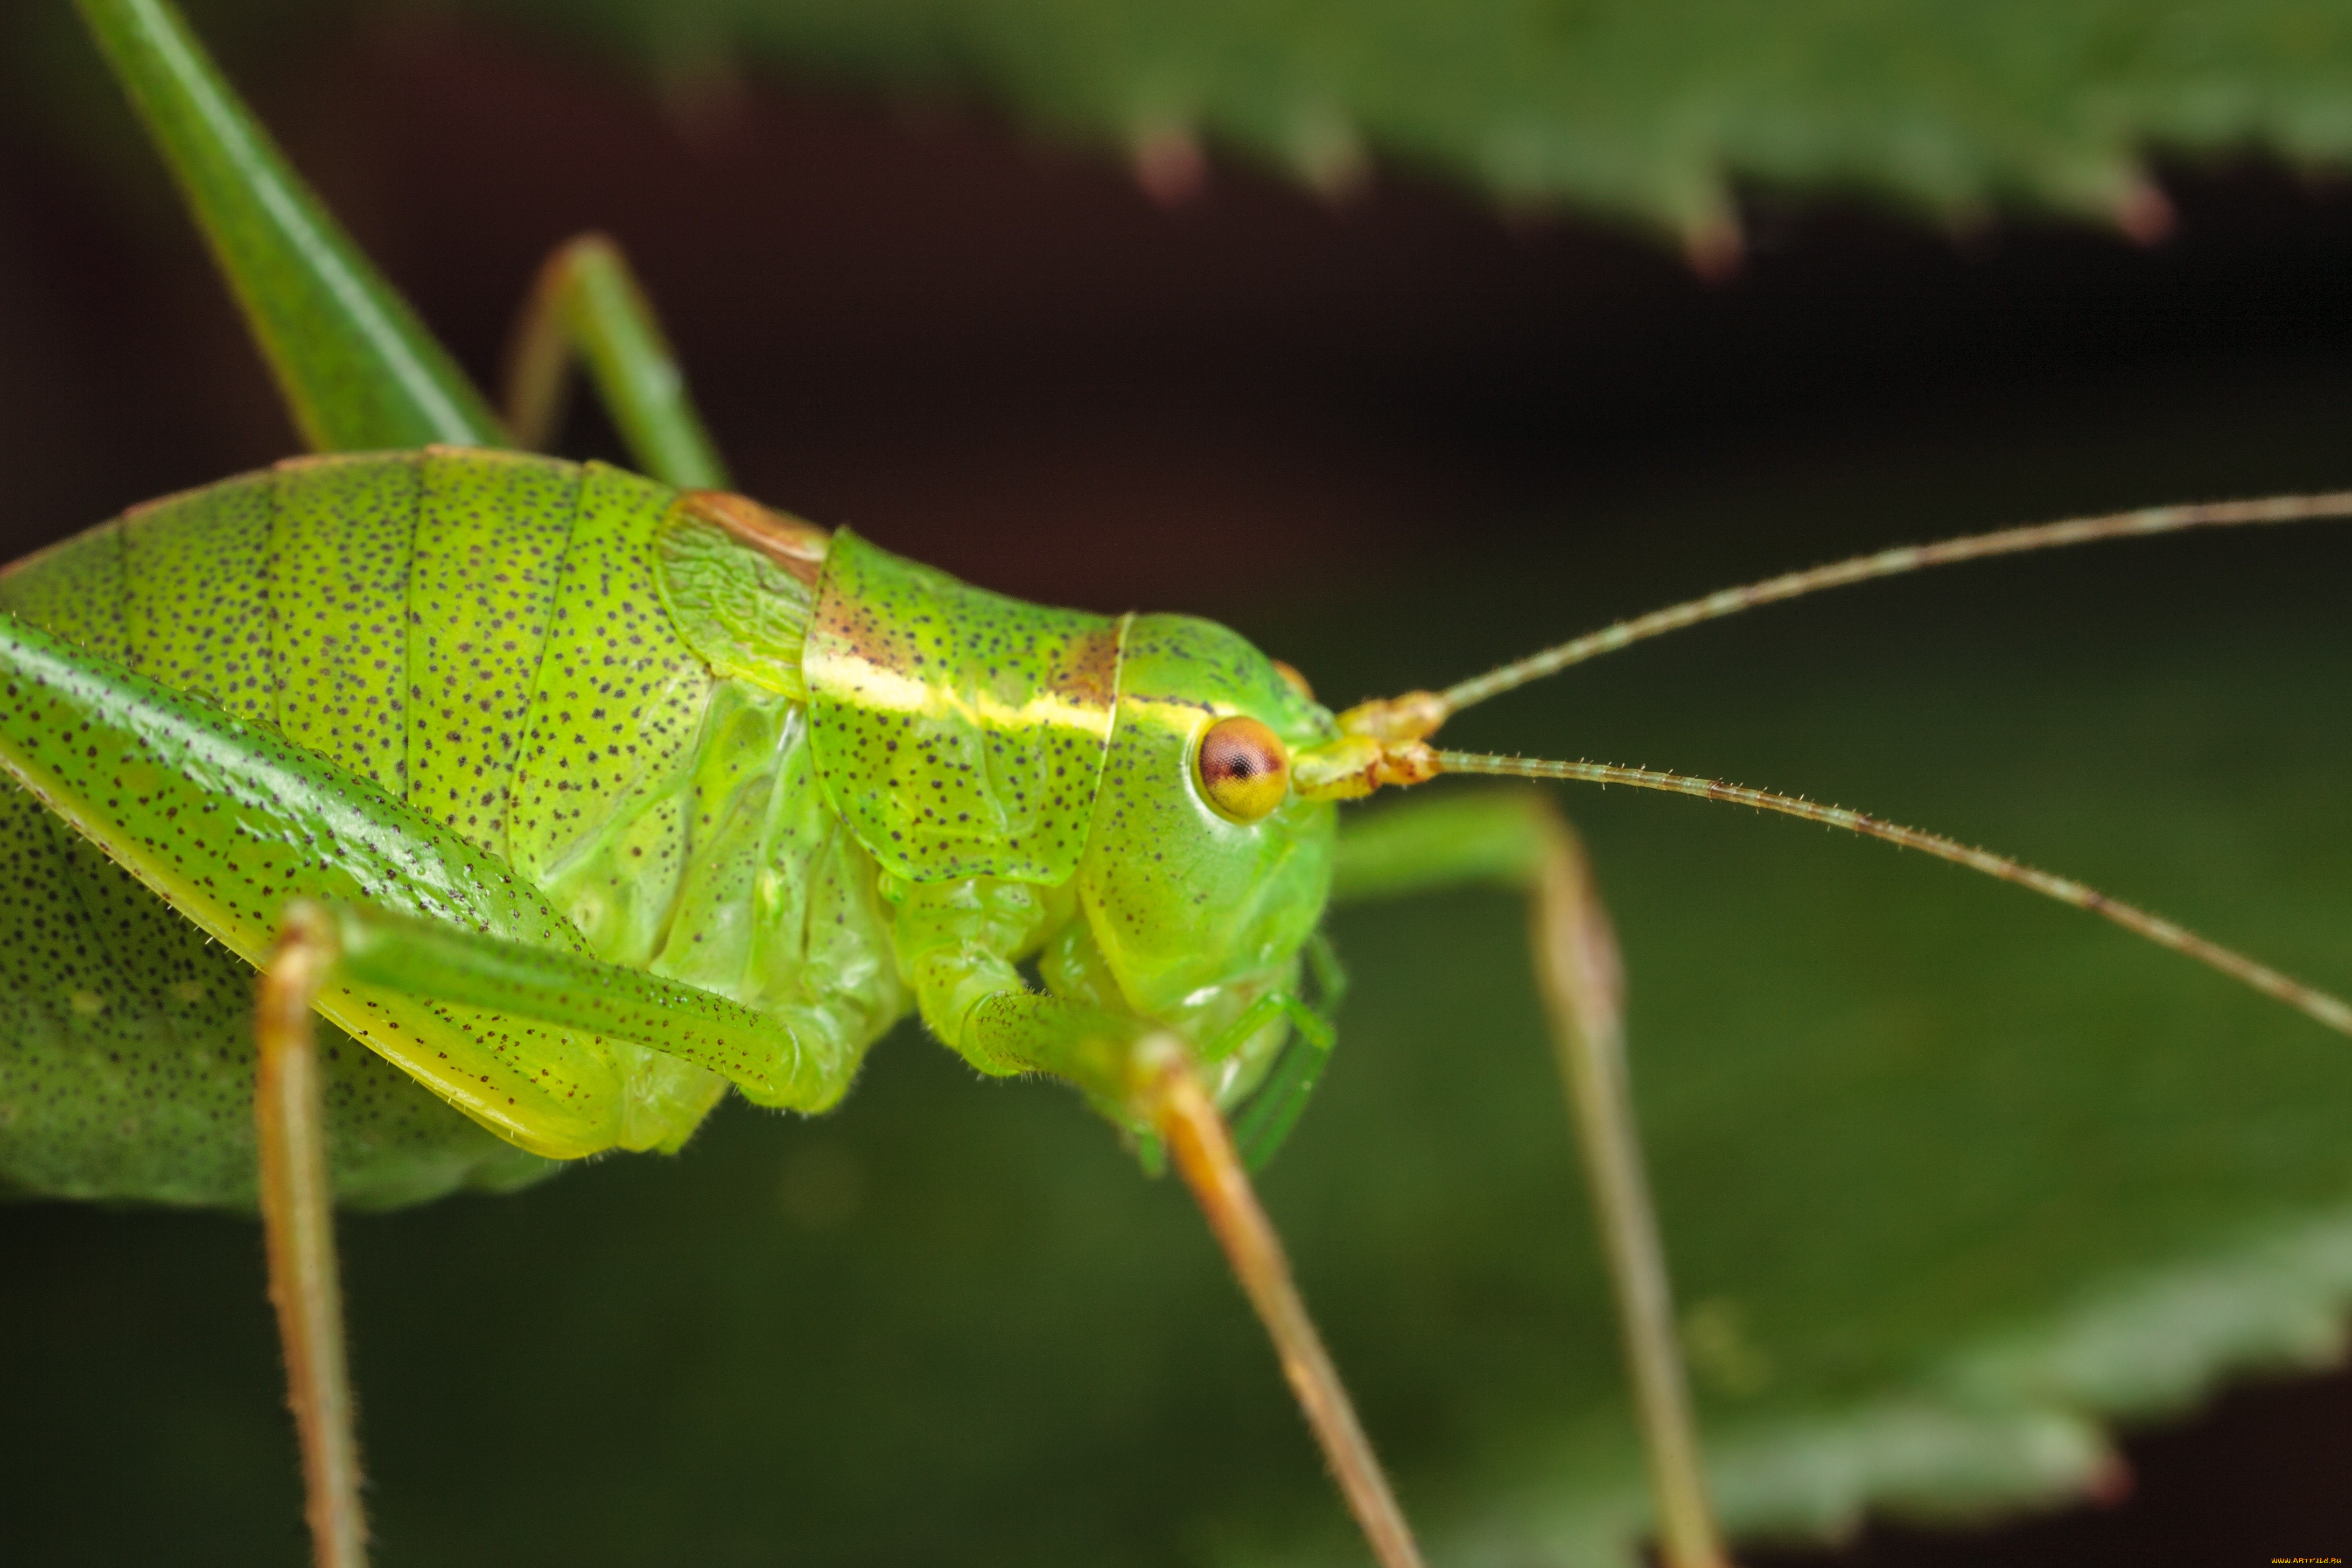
{"points": [[1640, 109], [1950, 1177], [1644, 111]]}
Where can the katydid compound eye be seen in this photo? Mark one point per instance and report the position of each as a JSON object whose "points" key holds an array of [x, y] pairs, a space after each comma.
{"points": [[1244, 768]]}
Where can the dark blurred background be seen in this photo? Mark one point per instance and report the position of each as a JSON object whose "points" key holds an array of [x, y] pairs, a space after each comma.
{"points": [[981, 344], [1007, 358]]}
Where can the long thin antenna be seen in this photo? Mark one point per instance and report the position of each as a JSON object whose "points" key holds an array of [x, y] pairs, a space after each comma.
{"points": [[1891, 563], [2319, 1004], [1188, 1121]]}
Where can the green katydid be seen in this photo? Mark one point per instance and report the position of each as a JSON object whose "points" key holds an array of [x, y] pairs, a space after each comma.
{"points": [[578, 923]]}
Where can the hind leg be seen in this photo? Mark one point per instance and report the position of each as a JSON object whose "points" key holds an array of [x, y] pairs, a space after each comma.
{"points": [[298, 1216], [356, 368], [445, 963], [587, 305]]}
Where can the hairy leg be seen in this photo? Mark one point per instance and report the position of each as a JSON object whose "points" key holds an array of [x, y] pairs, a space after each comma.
{"points": [[1521, 842], [1204, 1150], [298, 1216], [319, 946], [957, 939]]}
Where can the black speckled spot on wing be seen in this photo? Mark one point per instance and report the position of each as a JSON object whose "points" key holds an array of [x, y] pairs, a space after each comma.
{"points": [[490, 541], [599, 817], [126, 1052], [225, 822], [75, 587], [528, 610], [339, 634], [197, 606], [126, 1042]]}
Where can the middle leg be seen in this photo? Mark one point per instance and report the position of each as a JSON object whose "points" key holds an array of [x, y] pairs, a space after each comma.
{"points": [[1519, 841]]}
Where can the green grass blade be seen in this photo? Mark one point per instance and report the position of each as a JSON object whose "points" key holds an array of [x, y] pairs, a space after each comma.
{"points": [[358, 370]]}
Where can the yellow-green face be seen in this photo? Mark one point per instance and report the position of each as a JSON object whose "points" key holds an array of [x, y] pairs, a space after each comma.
{"points": [[1199, 872]]}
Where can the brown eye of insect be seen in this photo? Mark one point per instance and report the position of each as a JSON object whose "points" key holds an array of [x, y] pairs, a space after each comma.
{"points": [[1244, 768]]}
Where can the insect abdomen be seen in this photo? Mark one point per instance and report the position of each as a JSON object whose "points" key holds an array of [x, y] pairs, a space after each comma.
{"points": [[125, 1040], [397, 613], [481, 634]]}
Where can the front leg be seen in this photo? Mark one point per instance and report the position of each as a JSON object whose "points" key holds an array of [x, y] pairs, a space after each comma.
{"points": [[959, 942], [1520, 841]]}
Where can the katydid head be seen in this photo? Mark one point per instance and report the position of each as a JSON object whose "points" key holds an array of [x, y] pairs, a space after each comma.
{"points": [[1140, 762], [1204, 873]]}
